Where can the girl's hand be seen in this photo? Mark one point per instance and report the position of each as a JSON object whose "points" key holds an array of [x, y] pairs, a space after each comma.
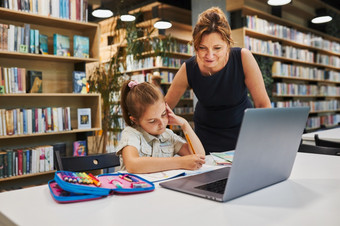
{"points": [[193, 162], [174, 119]]}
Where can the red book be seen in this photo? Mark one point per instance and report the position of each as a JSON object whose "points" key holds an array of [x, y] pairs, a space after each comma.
{"points": [[19, 162], [77, 9]]}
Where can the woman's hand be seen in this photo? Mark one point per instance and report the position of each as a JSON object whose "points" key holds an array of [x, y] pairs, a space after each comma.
{"points": [[174, 119]]}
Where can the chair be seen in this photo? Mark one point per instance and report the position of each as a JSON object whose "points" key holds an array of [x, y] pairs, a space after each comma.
{"points": [[87, 163], [325, 143], [319, 149]]}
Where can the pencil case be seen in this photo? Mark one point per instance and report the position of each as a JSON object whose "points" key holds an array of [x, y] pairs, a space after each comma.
{"points": [[74, 187]]}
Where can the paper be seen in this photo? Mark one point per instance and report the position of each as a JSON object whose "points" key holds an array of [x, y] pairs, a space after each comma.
{"points": [[160, 176], [223, 158]]}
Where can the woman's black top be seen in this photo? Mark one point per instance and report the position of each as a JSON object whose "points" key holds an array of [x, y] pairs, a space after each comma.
{"points": [[222, 99]]}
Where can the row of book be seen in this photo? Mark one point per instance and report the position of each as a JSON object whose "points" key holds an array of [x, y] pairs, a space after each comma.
{"points": [[263, 26], [15, 162], [183, 110], [324, 120], [328, 60], [276, 49], [22, 39], [65, 9], [289, 70], [305, 90], [150, 62], [26, 40], [18, 80], [167, 76], [36, 120], [315, 106]]}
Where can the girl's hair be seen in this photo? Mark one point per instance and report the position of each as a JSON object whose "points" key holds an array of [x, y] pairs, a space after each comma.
{"points": [[212, 20], [135, 100]]}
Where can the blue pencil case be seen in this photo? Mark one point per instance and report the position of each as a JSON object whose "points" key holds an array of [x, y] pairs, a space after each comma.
{"points": [[75, 187]]}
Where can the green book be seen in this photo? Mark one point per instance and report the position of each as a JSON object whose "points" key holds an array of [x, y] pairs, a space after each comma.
{"points": [[2, 164], [9, 163]]}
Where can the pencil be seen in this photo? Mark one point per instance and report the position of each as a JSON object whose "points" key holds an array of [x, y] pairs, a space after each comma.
{"points": [[189, 141]]}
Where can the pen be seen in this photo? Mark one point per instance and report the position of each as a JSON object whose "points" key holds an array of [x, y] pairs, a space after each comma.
{"points": [[189, 141], [125, 178]]}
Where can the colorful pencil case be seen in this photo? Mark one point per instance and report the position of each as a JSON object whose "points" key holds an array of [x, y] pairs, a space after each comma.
{"points": [[74, 187]]}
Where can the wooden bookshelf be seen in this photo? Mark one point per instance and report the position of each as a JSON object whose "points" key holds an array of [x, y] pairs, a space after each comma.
{"points": [[180, 32], [57, 87], [294, 16]]}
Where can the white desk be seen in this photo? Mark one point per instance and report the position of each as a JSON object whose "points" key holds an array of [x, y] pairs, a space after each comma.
{"points": [[310, 197], [330, 134]]}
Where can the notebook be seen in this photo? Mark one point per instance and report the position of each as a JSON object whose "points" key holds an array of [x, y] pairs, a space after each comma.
{"points": [[264, 155]]}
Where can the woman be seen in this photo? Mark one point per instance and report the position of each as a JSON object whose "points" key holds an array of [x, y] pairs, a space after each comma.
{"points": [[220, 77]]}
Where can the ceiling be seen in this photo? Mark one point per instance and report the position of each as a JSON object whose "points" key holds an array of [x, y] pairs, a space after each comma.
{"points": [[118, 6]]}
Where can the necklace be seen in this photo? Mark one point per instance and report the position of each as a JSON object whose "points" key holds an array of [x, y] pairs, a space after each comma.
{"points": [[209, 73]]}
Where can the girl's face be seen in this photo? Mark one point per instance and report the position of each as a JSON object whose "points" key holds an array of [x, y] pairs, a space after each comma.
{"points": [[155, 118], [212, 52]]}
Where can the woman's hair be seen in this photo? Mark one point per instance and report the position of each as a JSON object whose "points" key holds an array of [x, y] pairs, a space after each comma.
{"points": [[212, 20], [136, 98]]}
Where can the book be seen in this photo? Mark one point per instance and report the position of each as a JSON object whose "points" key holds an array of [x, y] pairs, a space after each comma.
{"points": [[34, 82], [61, 147], [223, 158], [61, 45], [43, 44], [84, 118], [2, 163], [81, 46], [79, 148], [79, 82]]}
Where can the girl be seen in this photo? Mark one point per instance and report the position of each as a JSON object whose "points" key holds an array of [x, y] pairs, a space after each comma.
{"points": [[147, 145]]}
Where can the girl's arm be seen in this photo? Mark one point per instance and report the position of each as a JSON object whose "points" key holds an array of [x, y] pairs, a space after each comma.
{"points": [[254, 80], [136, 164], [194, 145], [178, 86]]}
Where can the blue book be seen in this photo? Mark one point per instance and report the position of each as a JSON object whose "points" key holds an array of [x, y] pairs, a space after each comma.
{"points": [[81, 46], [32, 41], [37, 41], [43, 42], [24, 119], [61, 45], [79, 82]]}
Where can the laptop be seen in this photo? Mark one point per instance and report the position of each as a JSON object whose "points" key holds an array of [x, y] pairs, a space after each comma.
{"points": [[266, 148]]}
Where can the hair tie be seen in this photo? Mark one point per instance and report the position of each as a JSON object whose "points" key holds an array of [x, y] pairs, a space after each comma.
{"points": [[132, 84]]}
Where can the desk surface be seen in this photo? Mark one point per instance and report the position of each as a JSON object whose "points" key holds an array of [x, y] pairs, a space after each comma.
{"points": [[311, 196], [330, 134]]}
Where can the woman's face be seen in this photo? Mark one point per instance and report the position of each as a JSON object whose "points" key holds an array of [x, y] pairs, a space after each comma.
{"points": [[212, 52], [155, 118]]}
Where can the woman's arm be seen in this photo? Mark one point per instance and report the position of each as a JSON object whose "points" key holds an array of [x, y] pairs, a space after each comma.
{"points": [[254, 80], [136, 164], [178, 86]]}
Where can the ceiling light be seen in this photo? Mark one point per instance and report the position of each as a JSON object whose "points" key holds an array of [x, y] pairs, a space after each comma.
{"points": [[321, 16], [102, 13], [162, 24], [127, 18], [278, 2]]}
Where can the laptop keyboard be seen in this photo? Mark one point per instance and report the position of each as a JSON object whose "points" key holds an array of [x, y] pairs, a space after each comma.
{"points": [[216, 186]]}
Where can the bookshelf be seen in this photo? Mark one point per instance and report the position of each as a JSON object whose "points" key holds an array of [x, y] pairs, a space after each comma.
{"points": [[141, 70], [306, 62], [57, 87]]}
